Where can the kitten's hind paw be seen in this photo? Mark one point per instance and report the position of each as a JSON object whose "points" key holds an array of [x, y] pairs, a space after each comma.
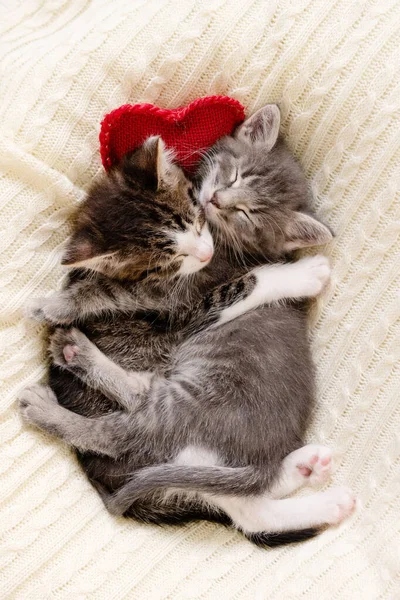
{"points": [[315, 463], [339, 504], [36, 404]]}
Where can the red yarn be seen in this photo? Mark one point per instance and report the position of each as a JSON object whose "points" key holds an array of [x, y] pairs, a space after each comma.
{"points": [[190, 129]]}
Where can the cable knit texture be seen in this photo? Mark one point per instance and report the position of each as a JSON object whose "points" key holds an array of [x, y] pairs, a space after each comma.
{"points": [[332, 65]]}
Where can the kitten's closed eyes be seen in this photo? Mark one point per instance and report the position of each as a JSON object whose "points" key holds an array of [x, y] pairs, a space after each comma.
{"points": [[236, 400], [253, 190], [153, 227]]}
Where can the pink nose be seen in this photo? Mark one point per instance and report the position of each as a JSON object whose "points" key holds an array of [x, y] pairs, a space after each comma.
{"points": [[214, 200], [204, 254]]}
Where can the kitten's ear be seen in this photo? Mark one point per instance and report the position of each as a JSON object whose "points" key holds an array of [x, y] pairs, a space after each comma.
{"points": [[81, 250], [262, 128], [154, 158], [303, 230], [167, 171]]}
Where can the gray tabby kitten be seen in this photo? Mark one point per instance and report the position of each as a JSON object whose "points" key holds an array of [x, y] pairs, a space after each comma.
{"points": [[210, 420]]}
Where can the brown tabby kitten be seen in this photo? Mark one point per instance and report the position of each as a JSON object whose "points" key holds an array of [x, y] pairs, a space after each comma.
{"points": [[223, 421]]}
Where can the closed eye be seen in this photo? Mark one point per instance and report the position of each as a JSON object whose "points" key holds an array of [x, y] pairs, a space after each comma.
{"points": [[243, 211], [235, 177], [225, 185]]}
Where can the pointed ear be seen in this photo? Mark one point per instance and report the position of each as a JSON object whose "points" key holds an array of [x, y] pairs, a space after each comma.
{"points": [[156, 160], [167, 171], [304, 230], [81, 250], [262, 128]]}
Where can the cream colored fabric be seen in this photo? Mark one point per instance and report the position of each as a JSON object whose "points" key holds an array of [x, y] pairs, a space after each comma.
{"points": [[333, 67]]}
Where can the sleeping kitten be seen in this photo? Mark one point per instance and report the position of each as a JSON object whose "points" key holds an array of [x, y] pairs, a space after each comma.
{"points": [[248, 427]]}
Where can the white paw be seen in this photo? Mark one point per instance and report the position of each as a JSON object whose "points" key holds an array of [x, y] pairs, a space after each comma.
{"points": [[339, 503], [310, 275], [36, 403], [315, 463]]}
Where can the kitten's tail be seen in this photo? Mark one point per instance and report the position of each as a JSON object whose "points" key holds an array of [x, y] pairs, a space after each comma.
{"points": [[213, 480]]}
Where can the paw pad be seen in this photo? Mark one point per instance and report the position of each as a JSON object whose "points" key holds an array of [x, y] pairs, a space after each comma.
{"points": [[70, 351], [315, 464]]}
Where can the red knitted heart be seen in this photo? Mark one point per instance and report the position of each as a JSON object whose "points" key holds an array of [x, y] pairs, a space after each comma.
{"points": [[190, 129]]}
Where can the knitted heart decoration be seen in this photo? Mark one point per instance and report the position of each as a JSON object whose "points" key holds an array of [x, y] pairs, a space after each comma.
{"points": [[190, 130]]}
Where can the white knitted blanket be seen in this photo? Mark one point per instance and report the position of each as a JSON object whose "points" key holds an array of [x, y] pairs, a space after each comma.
{"points": [[333, 67]]}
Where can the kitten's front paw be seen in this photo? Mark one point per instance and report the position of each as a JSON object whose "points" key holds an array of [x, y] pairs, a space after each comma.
{"points": [[34, 309], [70, 348], [51, 310], [312, 273], [36, 404]]}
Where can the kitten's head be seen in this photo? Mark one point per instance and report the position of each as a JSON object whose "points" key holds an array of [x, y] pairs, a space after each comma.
{"points": [[141, 220], [255, 193]]}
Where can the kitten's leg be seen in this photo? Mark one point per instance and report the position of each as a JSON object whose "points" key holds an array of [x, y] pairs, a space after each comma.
{"points": [[72, 350], [302, 279], [105, 435], [111, 434], [263, 514], [309, 465], [77, 301]]}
